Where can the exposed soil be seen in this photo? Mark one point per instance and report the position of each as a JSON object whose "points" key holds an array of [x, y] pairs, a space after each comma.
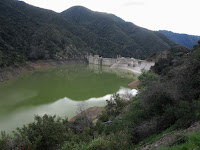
{"points": [[92, 113], [134, 84]]}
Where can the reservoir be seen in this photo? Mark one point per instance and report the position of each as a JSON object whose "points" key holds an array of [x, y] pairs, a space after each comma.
{"points": [[58, 90]]}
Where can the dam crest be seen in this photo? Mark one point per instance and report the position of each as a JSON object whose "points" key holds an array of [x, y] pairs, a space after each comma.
{"points": [[132, 64]]}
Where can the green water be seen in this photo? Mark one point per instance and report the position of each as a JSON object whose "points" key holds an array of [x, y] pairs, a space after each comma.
{"points": [[38, 92]]}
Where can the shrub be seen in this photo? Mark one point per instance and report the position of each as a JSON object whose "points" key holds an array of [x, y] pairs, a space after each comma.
{"points": [[118, 141], [187, 141], [45, 132], [115, 105], [156, 99], [80, 124], [6, 142], [187, 113], [137, 113], [146, 78], [144, 130]]}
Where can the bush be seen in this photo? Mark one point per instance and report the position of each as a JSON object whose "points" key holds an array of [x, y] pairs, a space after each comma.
{"points": [[137, 113], [45, 132], [144, 130], [156, 99], [6, 142], [80, 124], [115, 105], [146, 78], [118, 141], [186, 141], [187, 113]]}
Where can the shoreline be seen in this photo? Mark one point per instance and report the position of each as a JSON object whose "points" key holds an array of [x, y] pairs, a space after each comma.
{"points": [[13, 72], [131, 69], [133, 65]]}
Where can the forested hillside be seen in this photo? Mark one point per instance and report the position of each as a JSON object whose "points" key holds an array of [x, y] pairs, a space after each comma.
{"points": [[182, 39], [110, 35], [29, 33]]}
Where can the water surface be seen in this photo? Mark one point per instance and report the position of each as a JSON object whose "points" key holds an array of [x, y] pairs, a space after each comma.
{"points": [[58, 90]]}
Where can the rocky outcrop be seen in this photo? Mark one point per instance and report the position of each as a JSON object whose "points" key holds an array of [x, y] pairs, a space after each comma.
{"points": [[134, 84], [91, 113]]}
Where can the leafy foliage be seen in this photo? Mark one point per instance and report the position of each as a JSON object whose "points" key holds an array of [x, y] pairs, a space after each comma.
{"points": [[46, 132], [112, 142], [190, 141], [169, 59], [171, 99]]}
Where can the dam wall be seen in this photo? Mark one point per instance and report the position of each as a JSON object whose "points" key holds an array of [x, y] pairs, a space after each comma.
{"points": [[96, 60], [132, 64]]}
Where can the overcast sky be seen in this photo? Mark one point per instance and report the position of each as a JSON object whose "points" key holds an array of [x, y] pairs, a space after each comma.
{"points": [[181, 16]]}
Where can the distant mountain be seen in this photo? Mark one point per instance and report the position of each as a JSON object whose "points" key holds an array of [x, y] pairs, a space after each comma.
{"points": [[28, 33], [183, 39]]}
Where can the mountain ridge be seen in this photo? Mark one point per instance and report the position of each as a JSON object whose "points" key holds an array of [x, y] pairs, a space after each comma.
{"points": [[186, 40], [105, 25], [32, 33]]}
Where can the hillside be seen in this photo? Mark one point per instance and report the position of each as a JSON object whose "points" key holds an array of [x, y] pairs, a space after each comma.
{"points": [[110, 35], [29, 33], [164, 115], [181, 39]]}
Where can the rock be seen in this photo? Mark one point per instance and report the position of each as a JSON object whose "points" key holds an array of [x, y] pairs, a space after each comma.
{"points": [[92, 113], [119, 117], [108, 122]]}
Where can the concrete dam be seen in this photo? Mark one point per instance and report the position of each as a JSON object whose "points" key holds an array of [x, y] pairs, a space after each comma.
{"points": [[132, 64]]}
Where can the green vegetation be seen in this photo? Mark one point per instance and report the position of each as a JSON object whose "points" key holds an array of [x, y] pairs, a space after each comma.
{"points": [[110, 35], [31, 33], [153, 138], [28, 33], [169, 95], [165, 102], [185, 141], [45, 133], [189, 141]]}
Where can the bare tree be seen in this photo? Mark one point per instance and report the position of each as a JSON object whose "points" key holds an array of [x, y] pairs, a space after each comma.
{"points": [[81, 108], [82, 120]]}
